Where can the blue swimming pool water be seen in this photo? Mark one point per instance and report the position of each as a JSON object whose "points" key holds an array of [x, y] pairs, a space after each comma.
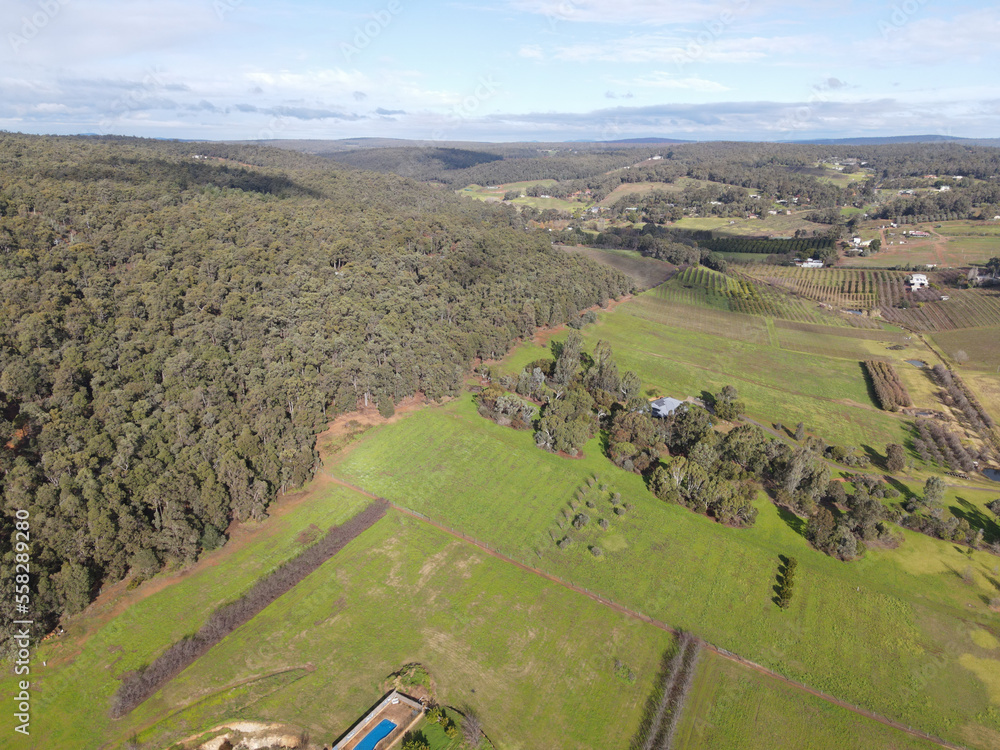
{"points": [[380, 732]]}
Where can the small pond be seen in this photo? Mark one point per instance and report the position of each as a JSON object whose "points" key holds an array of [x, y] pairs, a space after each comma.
{"points": [[993, 474], [917, 362]]}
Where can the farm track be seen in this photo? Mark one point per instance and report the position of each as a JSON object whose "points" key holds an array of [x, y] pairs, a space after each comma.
{"points": [[635, 615]]}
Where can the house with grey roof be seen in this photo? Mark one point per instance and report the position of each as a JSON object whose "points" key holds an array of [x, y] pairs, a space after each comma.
{"points": [[664, 407]]}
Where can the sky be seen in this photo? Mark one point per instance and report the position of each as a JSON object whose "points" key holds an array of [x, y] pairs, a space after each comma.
{"points": [[500, 70]]}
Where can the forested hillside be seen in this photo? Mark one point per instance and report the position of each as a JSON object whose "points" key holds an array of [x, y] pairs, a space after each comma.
{"points": [[178, 320]]}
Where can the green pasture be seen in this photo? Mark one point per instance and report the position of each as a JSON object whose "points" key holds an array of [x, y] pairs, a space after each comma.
{"points": [[830, 395], [535, 660], [73, 692], [708, 222], [733, 707], [865, 631], [688, 350]]}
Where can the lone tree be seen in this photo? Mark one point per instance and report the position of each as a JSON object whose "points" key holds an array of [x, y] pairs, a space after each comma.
{"points": [[895, 457], [727, 404], [472, 729], [934, 491], [800, 431]]}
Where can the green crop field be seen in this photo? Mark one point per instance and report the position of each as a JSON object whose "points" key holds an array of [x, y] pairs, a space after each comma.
{"points": [[736, 708], [867, 631]]}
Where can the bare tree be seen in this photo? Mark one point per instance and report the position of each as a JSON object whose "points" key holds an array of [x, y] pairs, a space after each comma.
{"points": [[472, 728]]}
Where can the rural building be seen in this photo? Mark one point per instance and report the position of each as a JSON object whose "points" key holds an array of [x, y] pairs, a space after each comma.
{"points": [[809, 263], [918, 281], [664, 407]]}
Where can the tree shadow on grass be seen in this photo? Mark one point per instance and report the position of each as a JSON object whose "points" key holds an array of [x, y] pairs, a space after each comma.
{"points": [[900, 487], [877, 459], [870, 385], [976, 519], [655, 698], [796, 524]]}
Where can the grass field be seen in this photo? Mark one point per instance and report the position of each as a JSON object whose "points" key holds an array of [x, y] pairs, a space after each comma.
{"points": [[681, 350], [489, 635], [735, 708], [866, 631], [637, 189], [316, 658], [828, 394], [981, 345], [122, 631], [781, 225]]}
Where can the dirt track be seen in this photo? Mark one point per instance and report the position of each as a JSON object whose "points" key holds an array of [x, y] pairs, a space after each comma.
{"points": [[656, 623]]}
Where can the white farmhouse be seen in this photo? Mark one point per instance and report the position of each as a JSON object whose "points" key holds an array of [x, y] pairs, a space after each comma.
{"points": [[918, 281]]}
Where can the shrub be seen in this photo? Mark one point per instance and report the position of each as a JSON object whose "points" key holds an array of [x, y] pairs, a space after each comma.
{"points": [[623, 673], [895, 458], [581, 520]]}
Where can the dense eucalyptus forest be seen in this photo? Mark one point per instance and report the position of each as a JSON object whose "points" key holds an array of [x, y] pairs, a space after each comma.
{"points": [[179, 320]]}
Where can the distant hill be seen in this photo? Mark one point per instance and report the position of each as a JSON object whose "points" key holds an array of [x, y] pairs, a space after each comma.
{"points": [[649, 140], [883, 140]]}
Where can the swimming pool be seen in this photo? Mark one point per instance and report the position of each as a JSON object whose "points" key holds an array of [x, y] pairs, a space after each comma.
{"points": [[379, 733]]}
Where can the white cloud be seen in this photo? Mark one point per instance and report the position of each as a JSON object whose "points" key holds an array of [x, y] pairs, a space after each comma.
{"points": [[680, 50], [68, 33], [531, 51], [657, 12], [663, 80], [968, 37]]}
